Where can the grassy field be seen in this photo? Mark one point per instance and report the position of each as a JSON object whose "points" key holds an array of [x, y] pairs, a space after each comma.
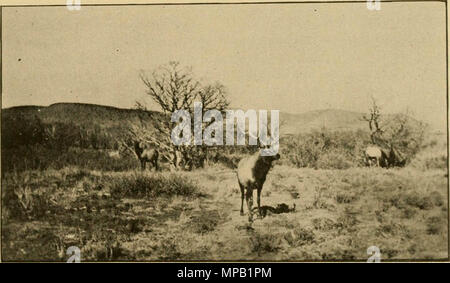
{"points": [[194, 215]]}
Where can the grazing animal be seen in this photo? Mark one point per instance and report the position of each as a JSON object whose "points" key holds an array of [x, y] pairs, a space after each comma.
{"points": [[383, 157], [373, 156], [146, 155], [251, 173], [376, 156]]}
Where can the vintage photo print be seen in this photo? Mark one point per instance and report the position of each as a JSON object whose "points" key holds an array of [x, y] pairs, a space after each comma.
{"points": [[251, 131]]}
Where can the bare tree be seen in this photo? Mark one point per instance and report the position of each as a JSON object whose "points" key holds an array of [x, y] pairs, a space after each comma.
{"points": [[213, 96], [395, 132], [374, 120], [173, 87], [405, 133]]}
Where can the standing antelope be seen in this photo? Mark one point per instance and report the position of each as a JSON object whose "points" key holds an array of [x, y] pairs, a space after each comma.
{"points": [[251, 173], [146, 155]]}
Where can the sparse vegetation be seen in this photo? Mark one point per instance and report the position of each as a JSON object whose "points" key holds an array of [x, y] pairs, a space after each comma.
{"points": [[152, 186], [187, 215], [55, 196]]}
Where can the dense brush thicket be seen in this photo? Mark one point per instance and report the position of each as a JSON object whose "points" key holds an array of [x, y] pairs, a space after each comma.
{"points": [[325, 149]]}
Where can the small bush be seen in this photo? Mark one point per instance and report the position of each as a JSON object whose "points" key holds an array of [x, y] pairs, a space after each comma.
{"points": [[151, 186], [409, 212], [26, 204], [320, 200], [104, 245], [434, 225], [346, 222], [300, 236], [169, 249], [430, 161], [389, 252], [264, 243], [344, 197], [334, 160], [204, 221], [323, 224], [437, 198], [387, 228], [340, 253], [416, 200], [303, 236]]}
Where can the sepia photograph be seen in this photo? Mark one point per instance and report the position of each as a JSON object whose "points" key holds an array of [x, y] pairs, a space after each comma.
{"points": [[225, 132]]}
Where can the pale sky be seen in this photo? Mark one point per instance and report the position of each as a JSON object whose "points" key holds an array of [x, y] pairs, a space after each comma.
{"points": [[293, 58]]}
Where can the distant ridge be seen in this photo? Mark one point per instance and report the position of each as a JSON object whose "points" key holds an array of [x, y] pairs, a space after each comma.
{"points": [[110, 116], [82, 114]]}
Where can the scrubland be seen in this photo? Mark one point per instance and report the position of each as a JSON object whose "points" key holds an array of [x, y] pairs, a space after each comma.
{"points": [[194, 215], [320, 202]]}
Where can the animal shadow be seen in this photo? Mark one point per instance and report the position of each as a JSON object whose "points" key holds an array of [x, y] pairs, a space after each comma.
{"points": [[269, 210]]}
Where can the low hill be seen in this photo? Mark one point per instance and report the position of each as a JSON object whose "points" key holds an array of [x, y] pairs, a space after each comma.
{"points": [[89, 115], [330, 118], [82, 114]]}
